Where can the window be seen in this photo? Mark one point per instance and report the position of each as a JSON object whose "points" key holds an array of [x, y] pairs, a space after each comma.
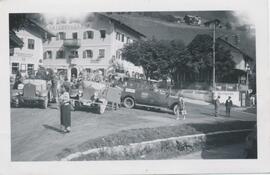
{"points": [[75, 35], [88, 35], [128, 40], [61, 36], [88, 70], [15, 68], [118, 36], [48, 54], [103, 33], [88, 54], [60, 54], [31, 44], [30, 67], [74, 54], [101, 53], [123, 38], [118, 54]]}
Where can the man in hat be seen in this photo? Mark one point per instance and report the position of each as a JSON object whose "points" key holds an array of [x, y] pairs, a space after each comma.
{"points": [[217, 104], [228, 105]]}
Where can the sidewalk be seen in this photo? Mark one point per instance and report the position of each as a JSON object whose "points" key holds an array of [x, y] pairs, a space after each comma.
{"points": [[197, 102]]}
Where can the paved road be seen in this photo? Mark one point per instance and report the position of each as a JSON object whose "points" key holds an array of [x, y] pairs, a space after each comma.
{"points": [[235, 151], [35, 134]]}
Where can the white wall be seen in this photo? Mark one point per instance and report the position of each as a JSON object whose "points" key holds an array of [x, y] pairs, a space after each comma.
{"points": [[25, 55]]}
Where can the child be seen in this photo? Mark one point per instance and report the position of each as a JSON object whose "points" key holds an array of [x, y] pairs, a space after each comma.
{"points": [[181, 108]]}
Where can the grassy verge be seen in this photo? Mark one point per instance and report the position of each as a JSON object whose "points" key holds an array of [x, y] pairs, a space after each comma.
{"points": [[126, 137]]}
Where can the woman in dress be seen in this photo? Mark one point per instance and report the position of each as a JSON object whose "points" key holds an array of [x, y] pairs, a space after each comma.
{"points": [[65, 112], [181, 108]]}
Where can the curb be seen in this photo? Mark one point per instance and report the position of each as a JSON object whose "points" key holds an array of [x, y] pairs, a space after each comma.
{"points": [[186, 143]]}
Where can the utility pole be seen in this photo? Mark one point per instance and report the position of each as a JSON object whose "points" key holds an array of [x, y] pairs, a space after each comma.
{"points": [[214, 23], [214, 57]]}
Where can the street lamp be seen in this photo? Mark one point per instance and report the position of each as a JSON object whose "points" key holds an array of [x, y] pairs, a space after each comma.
{"points": [[247, 71], [214, 24]]}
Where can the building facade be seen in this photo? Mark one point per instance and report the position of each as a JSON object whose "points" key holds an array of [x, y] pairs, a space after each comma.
{"points": [[86, 46], [28, 56]]}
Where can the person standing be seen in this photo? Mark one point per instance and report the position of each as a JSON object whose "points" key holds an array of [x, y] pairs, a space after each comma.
{"points": [[65, 112], [217, 104], [181, 108], [228, 105]]}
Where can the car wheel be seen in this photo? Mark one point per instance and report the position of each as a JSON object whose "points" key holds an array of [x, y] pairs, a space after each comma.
{"points": [[45, 103], [76, 105], [129, 102], [175, 110]]}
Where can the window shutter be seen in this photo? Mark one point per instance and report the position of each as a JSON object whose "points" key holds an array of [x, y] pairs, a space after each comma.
{"points": [[91, 54], [84, 54], [84, 35], [91, 34], [44, 55]]}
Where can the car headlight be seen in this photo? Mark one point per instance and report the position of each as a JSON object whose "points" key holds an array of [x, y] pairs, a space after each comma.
{"points": [[80, 93]]}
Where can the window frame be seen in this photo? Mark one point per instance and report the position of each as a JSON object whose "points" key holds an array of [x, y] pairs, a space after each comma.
{"points": [[122, 37], [88, 34], [57, 54], [102, 33], [59, 36], [17, 67], [29, 44], [100, 51], [85, 53], [28, 67]]}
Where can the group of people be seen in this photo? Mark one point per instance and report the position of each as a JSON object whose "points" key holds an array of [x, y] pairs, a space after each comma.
{"points": [[181, 107], [228, 106]]}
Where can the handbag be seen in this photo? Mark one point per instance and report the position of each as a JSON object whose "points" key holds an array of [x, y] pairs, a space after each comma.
{"points": [[183, 112]]}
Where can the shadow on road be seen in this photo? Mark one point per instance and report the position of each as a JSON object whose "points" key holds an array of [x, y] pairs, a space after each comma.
{"points": [[53, 128], [153, 109], [223, 139]]}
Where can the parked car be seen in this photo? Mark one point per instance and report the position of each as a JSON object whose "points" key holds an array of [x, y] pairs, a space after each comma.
{"points": [[31, 91], [91, 97], [146, 93]]}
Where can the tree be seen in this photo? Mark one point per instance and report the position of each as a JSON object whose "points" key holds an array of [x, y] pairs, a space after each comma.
{"points": [[156, 57], [201, 53]]}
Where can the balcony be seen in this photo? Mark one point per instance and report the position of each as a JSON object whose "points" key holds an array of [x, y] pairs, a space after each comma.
{"points": [[72, 43]]}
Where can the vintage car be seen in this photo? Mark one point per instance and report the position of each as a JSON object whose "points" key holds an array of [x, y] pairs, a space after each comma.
{"points": [[96, 96], [91, 97], [146, 93], [31, 91]]}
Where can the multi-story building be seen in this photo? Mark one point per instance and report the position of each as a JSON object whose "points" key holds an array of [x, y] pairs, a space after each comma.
{"points": [[90, 45], [26, 55]]}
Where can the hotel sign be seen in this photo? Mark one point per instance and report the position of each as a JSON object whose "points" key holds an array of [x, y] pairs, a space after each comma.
{"points": [[21, 54]]}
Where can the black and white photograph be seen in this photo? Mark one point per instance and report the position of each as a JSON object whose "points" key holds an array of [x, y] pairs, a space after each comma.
{"points": [[134, 85]]}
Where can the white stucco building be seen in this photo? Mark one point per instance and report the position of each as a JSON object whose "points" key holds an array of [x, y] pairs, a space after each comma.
{"points": [[29, 56], [89, 45]]}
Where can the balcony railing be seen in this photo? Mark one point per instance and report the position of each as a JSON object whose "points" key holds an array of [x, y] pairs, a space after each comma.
{"points": [[72, 43]]}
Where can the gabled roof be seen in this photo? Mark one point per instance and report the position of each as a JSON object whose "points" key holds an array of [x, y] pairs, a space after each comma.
{"points": [[32, 25], [121, 24], [14, 40], [236, 48]]}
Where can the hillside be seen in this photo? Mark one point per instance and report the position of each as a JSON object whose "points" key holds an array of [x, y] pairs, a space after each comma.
{"points": [[162, 30]]}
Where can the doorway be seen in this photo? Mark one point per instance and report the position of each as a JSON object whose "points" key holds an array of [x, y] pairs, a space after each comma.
{"points": [[74, 72]]}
